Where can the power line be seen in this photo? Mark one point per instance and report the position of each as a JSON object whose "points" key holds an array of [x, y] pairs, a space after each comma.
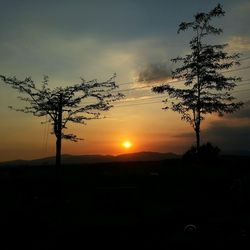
{"points": [[136, 104], [149, 87], [44, 132], [145, 103], [244, 80], [176, 81], [143, 87], [162, 96], [240, 90], [47, 136], [136, 100], [244, 59], [244, 84], [145, 82], [233, 70], [159, 97]]}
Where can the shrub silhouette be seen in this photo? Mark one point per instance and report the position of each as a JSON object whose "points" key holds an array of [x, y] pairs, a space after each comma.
{"points": [[207, 152]]}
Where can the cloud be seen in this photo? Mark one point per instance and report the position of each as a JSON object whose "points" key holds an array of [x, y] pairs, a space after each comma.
{"points": [[228, 137], [154, 72], [224, 134], [239, 44], [244, 112]]}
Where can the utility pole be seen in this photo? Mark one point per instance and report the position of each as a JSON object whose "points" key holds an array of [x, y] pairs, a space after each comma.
{"points": [[59, 133]]}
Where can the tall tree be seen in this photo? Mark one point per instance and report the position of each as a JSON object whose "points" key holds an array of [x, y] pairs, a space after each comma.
{"points": [[207, 89], [77, 103]]}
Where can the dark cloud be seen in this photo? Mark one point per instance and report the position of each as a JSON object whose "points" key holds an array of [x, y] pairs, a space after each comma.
{"points": [[51, 34], [228, 137], [244, 112], [154, 72], [222, 134]]}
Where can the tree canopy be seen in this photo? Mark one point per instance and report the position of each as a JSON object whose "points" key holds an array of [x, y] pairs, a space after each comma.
{"points": [[206, 87], [77, 103]]}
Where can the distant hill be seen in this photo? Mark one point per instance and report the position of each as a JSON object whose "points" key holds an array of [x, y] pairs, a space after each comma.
{"points": [[81, 159]]}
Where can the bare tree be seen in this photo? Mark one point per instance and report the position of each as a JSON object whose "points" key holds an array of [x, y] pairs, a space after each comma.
{"points": [[207, 89], [77, 103]]}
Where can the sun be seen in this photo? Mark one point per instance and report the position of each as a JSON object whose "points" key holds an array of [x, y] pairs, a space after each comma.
{"points": [[127, 144]]}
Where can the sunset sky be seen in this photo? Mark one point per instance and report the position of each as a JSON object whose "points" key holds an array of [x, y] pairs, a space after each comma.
{"points": [[135, 39]]}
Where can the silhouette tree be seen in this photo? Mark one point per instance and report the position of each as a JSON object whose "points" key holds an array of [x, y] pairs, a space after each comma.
{"points": [[206, 89], [63, 105]]}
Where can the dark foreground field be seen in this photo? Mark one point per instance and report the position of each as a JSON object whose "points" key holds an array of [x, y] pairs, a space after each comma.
{"points": [[150, 205]]}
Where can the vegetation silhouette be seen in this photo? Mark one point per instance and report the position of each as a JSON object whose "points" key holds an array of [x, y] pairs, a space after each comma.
{"points": [[116, 204], [207, 152], [123, 203], [63, 105], [206, 88]]}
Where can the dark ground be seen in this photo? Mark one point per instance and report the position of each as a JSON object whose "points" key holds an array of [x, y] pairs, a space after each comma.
{"points": [[126, 205]]}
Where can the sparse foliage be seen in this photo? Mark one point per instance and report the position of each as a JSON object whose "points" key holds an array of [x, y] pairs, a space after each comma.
{"points": [[77, 103], [207, 89]]}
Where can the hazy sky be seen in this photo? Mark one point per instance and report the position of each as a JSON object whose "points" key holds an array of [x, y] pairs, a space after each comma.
{"points": [[93, 39]]}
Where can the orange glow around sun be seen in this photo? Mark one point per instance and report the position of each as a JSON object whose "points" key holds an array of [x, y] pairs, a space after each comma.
{"points": [[127, 144]]}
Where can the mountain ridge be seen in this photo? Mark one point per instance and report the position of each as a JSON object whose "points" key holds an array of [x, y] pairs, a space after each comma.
{"points": [[95, 158]]}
